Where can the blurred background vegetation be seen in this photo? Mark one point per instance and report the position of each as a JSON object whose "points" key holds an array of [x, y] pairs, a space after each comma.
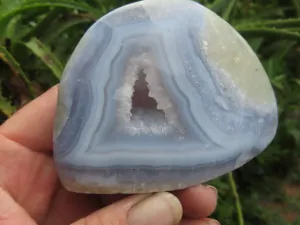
{"points": [[38, 36]]}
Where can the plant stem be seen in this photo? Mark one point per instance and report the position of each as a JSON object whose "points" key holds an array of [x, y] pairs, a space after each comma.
{"points": [[237, 199]]}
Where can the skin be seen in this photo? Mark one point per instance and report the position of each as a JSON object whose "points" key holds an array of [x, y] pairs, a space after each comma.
{"points": [[30, 191]]}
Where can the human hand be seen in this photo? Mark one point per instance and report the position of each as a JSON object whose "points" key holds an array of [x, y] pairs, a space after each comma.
{"points": [[30, 191]]}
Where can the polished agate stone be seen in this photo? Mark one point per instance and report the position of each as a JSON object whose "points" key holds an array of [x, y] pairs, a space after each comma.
{"points": [[160, 95]]}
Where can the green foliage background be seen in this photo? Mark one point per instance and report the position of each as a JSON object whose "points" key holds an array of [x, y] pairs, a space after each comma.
{"points": [[38, 36]]}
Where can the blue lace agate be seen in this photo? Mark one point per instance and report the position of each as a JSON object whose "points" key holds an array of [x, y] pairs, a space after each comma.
{"points": [[212, 109]]}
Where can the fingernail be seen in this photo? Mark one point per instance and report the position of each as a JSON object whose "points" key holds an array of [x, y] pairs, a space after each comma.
{"points": [[214, 222], [163, 207], [213, 189]]}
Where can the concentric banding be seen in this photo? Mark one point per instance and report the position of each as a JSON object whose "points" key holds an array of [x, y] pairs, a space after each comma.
{"points": [[204, 76]]}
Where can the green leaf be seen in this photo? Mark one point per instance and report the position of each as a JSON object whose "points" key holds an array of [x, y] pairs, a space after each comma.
{"points": [[285, 50], [40, 28], [44, 53], [278, 82], [255, 43], [6, 106], [268, 32], [218, 6], [61, 26], [296, 135], [297, 81], [8, 10], [228, 11], [296, 4], [278, 23], [204, 2], [3, 28], [16, 68]]}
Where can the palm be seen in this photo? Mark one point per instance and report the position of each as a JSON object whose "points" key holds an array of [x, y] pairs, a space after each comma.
{"points": [[28, 179], [31, 180], [30, 191]]}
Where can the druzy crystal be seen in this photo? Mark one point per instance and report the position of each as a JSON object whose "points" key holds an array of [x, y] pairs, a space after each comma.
{"points": [[160, 95]]}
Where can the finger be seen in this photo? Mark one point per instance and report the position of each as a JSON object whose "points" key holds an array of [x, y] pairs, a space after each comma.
{"points": [[143, 209], [68, 207], [206, 221], [11, 212], [29, 178], [32, 126], [198, 201]]}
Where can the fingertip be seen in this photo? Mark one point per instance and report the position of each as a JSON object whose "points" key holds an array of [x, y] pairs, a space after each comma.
{"points": [[206, 221], [163, 207], [198, 201]]}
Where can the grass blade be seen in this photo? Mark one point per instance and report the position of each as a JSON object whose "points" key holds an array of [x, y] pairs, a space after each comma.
{"points": [[228, 11], [16, 68], [269, 32], [280, 23], [39, 29], [44, 53], [60, 27], [6, 106], [296, 5], [255, 43], [218, 6], [27, 5]]}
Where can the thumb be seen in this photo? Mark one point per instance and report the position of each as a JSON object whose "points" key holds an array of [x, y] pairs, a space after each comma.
{"points": [[145, 209]]}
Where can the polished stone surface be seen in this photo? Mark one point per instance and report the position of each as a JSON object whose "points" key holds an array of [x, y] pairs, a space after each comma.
{"points": [[160, 95]]}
